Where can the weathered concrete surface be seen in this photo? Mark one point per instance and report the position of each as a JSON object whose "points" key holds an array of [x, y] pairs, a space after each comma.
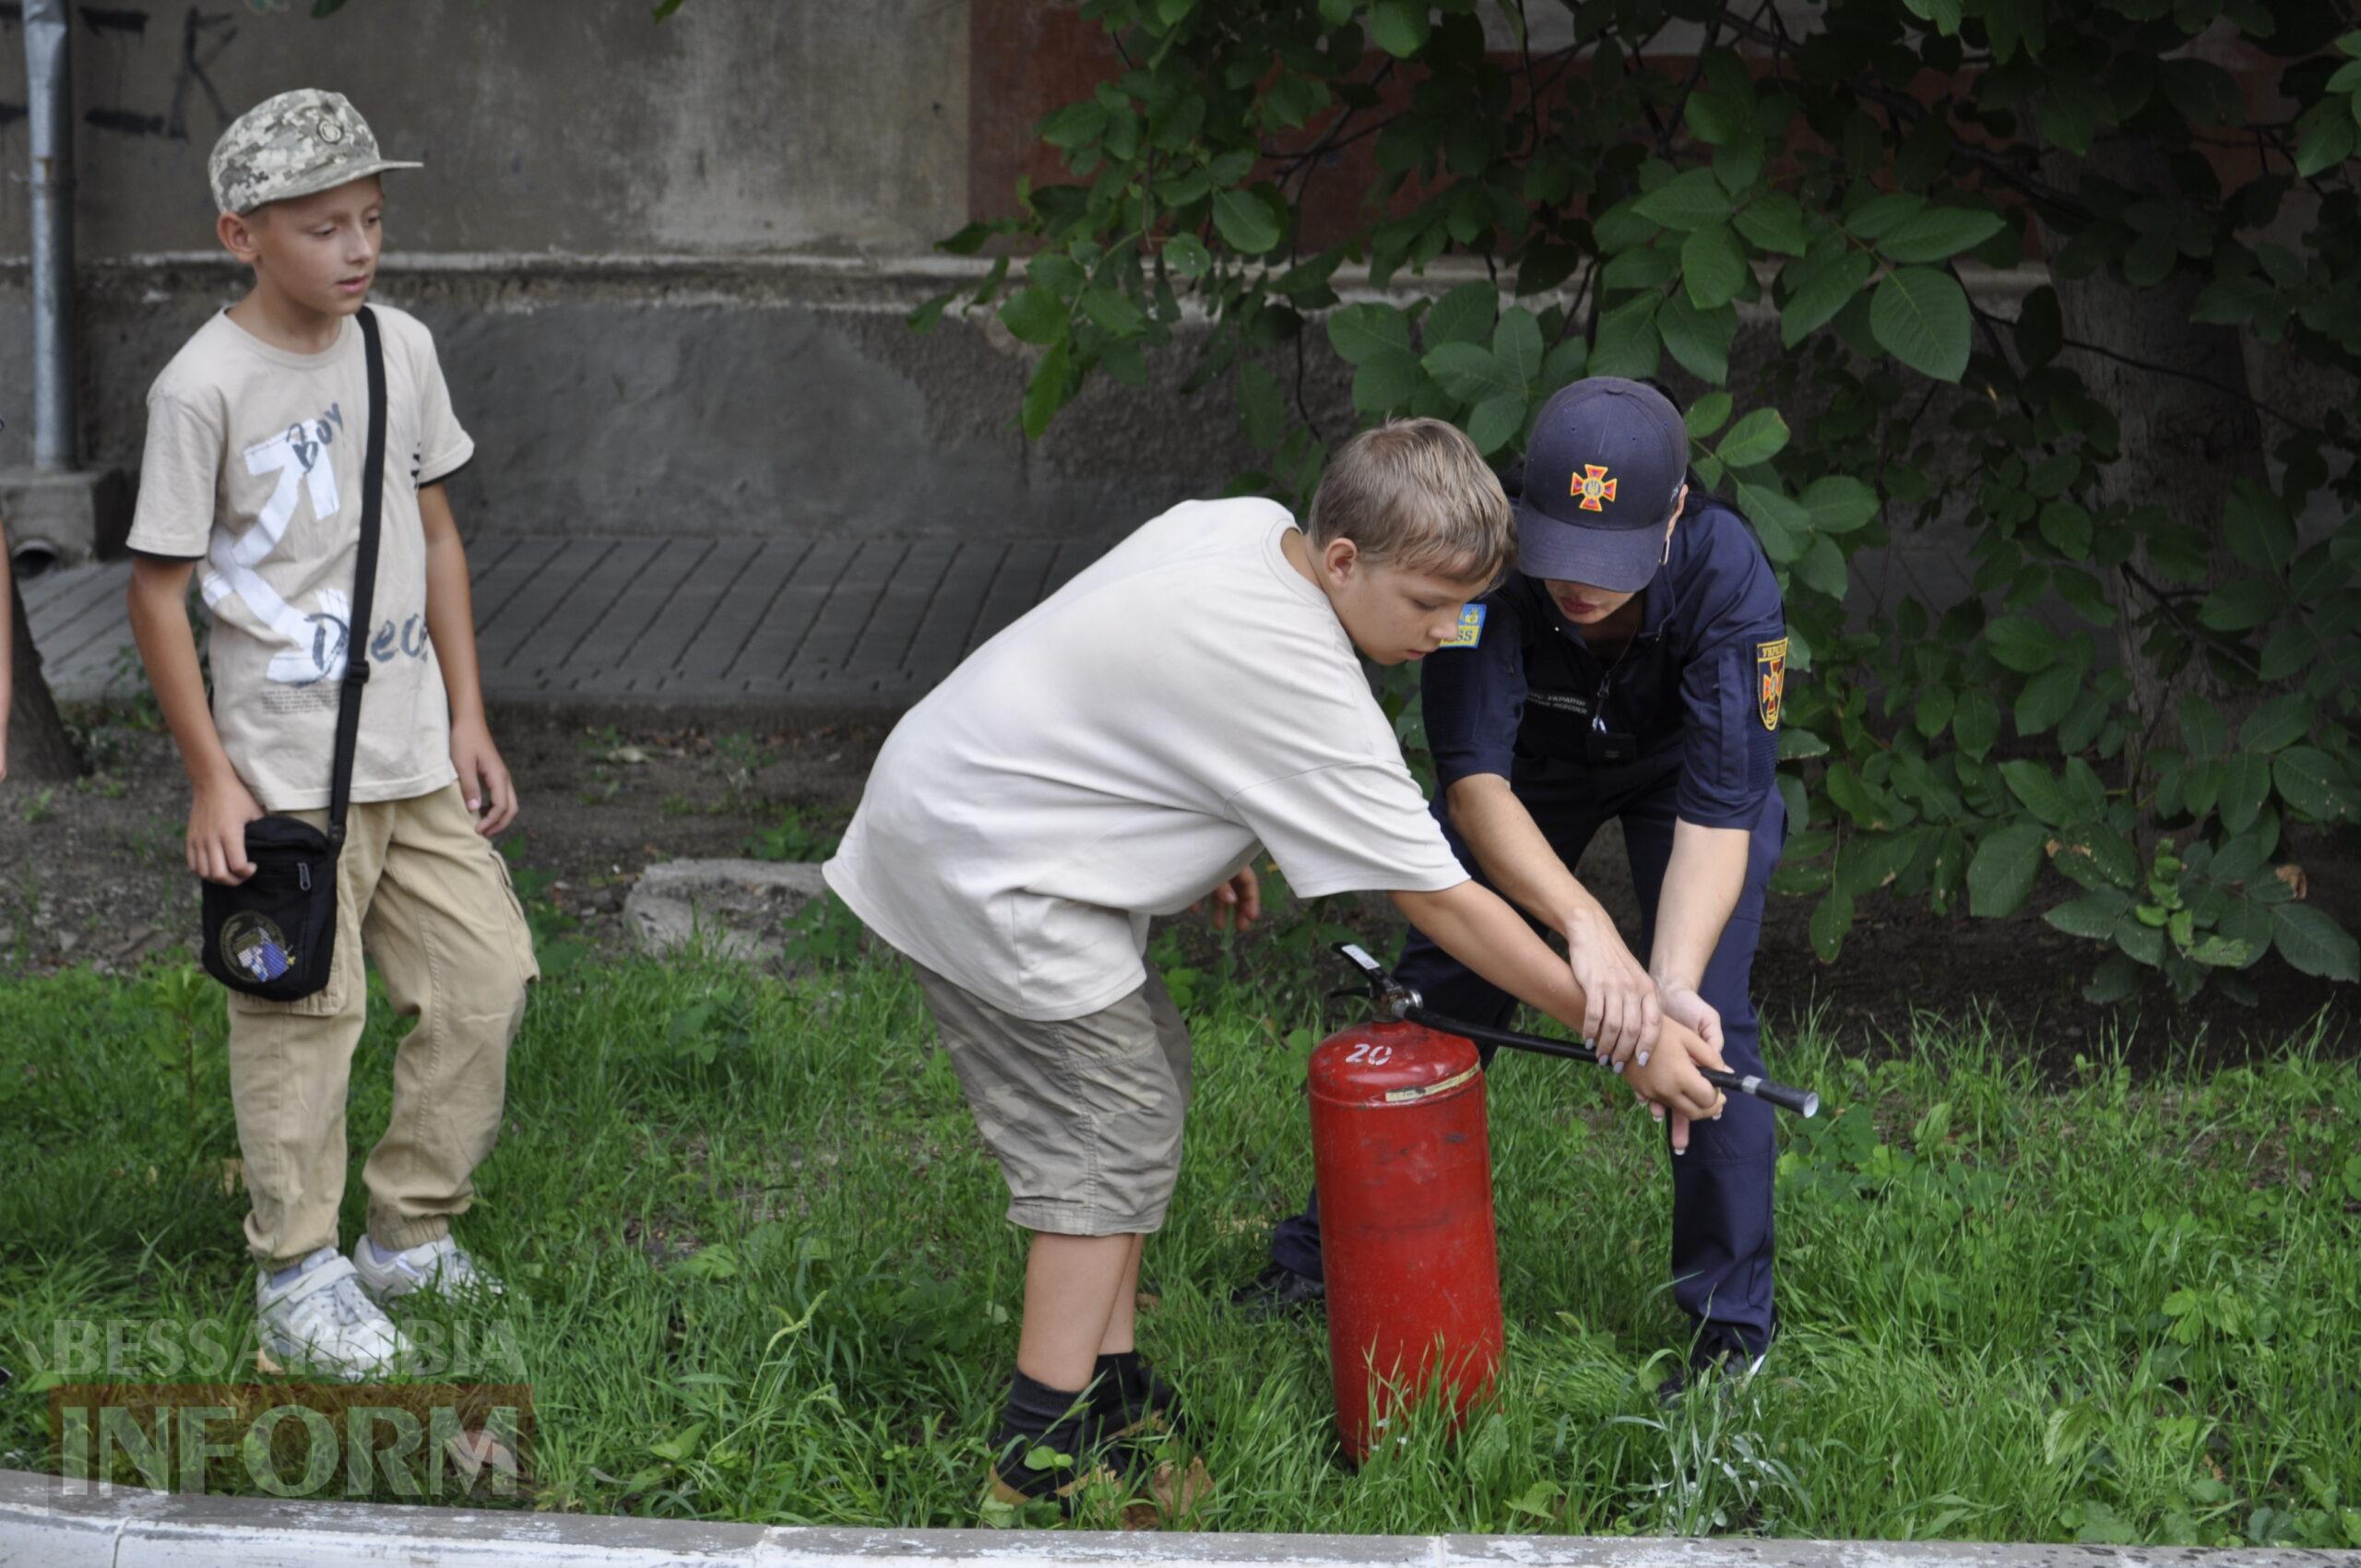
{"points": [[735, 906], [702, 398], [738, 125], [44, 1523]]}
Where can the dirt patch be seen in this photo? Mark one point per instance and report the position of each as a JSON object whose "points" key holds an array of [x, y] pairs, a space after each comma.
{"points": [[93, 872]]}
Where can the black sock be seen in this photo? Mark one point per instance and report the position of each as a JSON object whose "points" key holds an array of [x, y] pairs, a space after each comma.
{"points": [[1125, 1373], [1038, 1416]]}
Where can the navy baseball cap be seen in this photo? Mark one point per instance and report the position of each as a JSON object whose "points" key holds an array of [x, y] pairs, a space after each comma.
{"points": [[1606, 458]]}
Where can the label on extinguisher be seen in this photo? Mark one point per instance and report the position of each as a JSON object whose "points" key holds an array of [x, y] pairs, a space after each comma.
{"points": [[1403, 1097]]}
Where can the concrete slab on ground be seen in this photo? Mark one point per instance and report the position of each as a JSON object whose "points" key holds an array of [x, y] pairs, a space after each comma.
{"points": [[796, 623], [57, 1524]]}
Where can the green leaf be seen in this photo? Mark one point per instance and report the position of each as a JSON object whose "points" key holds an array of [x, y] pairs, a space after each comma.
{"points": [[2246, 784], [1386, 381], [2093, 915], [1700, 339], [1921, 317], [1775, 222], [1939, 234], [2202, 730], [1337, 13], [2022, 643], [1471, 373], [1048, 391], [2249, 602], [1691, 200], [1707, 414], [1783, 527], [1400, 27], [1839, 504], [1944, 14], [2313, 943], [2326, 138], [2040, 330], [1464, 315], [2278, 723], [2067, 528], [1245, 221], [1976, 725], [1186, 254], [1831, 919], [2048, 698], [2314, 783], [1713, 267], [2036, 788], [1113, 312], [1818, 286], [1823, 568], [1359, 331], [1496, 420], [1875, 217], [2001, 875], [2142, 944], [1757, 438], [1034, 315], [1565, 362], [1934, 710], [1628, 345], [1516, 343]]}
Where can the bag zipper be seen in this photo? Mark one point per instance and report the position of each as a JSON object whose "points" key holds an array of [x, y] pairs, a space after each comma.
{"points": [[303, 876]]}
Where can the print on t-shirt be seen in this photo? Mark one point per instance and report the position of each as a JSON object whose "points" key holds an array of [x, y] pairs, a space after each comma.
{"points": [[317, 634]]}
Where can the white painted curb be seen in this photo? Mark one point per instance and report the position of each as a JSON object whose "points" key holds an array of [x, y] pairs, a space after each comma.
{"points": [[46, 1525]]}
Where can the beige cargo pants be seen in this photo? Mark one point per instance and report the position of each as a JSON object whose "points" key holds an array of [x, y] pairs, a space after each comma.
{"points": [[429, 899]]}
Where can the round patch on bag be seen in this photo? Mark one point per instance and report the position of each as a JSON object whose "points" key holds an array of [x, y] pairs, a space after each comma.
{"points": [[254, 944]]}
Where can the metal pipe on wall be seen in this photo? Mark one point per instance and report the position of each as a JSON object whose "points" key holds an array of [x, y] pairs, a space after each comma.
{"points": [[50, 108]]}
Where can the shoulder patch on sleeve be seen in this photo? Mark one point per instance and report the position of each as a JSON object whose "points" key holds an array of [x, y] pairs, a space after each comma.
{"points": [[1471, 627], [1771, 675]]}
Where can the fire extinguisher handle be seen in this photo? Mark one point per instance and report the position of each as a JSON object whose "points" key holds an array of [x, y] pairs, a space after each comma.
{"points": [[1803, 1102]]}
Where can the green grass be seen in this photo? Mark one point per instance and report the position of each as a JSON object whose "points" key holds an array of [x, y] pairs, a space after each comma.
{"points": [[758, 1271]]}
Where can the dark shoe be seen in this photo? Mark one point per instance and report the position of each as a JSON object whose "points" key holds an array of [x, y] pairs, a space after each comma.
{"points": [[1716, 1356], [1276, 1292]]}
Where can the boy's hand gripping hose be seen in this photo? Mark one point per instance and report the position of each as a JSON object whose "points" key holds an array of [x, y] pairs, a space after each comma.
{"points": [[1395, 1000]]}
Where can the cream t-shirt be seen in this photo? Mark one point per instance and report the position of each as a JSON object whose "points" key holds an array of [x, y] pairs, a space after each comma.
{"points": [[1118, 753], [252, 463]]}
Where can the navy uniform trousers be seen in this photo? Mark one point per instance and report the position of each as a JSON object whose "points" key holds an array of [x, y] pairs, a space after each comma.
{"points": [[1721, 1188]]}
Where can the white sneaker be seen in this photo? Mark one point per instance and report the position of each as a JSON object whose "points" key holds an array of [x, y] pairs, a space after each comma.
{"points": [[322, 1321], [441, 1266]]}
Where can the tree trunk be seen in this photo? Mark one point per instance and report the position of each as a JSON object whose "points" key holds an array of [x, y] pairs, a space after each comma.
{"points": [[39, 748], [2184, 442]]}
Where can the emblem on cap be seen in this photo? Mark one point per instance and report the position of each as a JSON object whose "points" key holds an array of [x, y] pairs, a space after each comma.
{"points": [[330, 129], [1593, 485]]}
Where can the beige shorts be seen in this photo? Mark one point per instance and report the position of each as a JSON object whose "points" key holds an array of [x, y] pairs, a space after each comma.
{"points": [[1083, 1114]]}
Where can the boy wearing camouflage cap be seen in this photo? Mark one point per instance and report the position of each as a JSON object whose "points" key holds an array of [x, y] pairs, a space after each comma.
{"points": [[252, 483]]}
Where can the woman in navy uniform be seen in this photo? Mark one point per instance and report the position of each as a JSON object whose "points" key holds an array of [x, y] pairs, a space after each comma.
{"points": [[1631, 668]]}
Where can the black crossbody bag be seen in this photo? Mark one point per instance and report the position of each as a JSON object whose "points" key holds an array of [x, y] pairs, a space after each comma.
{"points": [[273, 935]]}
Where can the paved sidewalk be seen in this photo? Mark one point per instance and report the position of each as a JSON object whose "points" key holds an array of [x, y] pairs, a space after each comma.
{"points": [[799, 624]]}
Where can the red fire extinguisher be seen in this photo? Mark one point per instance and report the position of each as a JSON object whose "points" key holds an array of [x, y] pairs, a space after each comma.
{"points": [[1405, 1224]]}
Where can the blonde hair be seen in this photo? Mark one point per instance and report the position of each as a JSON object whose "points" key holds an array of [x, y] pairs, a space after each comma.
{"points": [[1416, 494]]}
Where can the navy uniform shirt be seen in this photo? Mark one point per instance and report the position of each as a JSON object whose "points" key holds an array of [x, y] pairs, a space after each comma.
{"points": [[1696, 690]]}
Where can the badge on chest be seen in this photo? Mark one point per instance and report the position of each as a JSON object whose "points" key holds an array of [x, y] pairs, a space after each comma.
{"points": [[1471, 628]]}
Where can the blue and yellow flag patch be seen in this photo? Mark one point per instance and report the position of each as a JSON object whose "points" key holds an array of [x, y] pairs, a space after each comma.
{"points": [[1471, 627]]}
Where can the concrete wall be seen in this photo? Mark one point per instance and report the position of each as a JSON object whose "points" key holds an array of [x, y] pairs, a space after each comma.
{"points": [[573, 126]]}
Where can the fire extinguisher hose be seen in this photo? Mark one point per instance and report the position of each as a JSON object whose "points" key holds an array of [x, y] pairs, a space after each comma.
{"points": [[1399, 1001]]}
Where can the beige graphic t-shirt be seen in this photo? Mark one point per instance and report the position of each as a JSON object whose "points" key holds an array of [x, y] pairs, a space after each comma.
{"points": [[253, 463]]}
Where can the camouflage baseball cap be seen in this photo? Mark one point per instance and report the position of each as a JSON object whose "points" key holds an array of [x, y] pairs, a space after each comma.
{"points": [[295, 145]]}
